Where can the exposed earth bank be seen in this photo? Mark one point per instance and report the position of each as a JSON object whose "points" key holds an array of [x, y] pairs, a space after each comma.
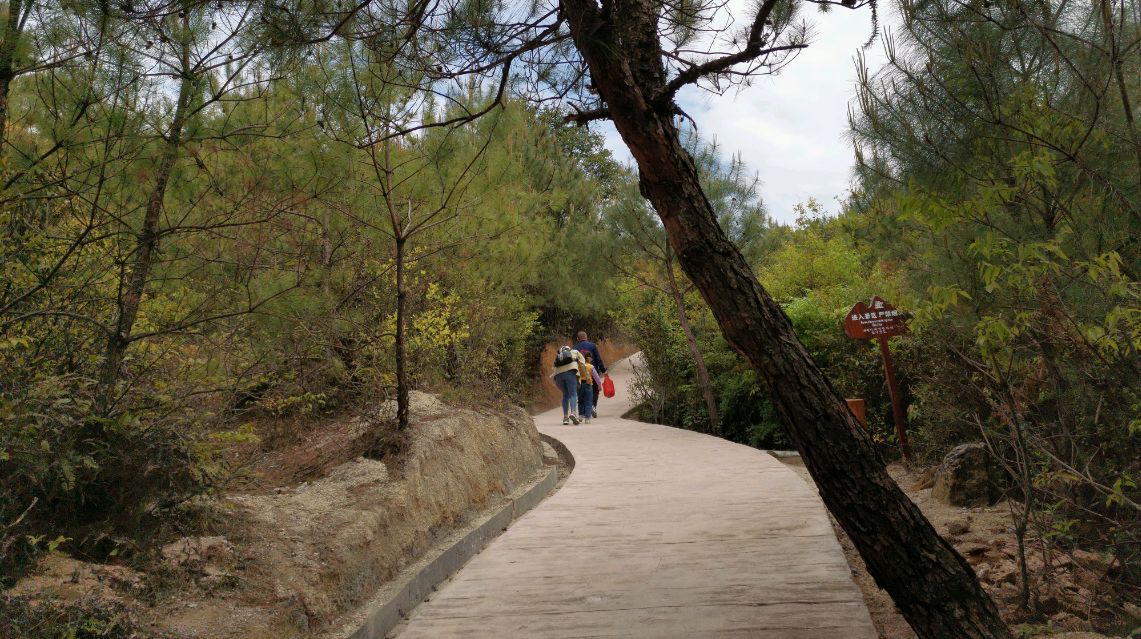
{"points": [[288, 560], [1075, 591]]}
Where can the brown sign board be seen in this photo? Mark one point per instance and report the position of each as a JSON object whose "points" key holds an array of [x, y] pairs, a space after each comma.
{"points": [[877, 319], [880, 320]]}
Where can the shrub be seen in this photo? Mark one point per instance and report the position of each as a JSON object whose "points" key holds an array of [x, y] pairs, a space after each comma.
{"points": [[95, 481], [24, 618]]}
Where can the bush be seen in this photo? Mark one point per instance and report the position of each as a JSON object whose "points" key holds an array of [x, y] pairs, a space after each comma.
{"points": [[92, 482], [24, 618]]}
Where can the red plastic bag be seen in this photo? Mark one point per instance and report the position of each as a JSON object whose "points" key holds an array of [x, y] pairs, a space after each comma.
{"points": [[607, 386]]}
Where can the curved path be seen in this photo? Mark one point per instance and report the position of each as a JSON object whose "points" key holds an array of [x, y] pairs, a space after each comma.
{"points": [[658, 532]]}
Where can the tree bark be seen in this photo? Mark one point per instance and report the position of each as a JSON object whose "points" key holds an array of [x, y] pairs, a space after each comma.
{"points": [[932, 585], [326, 252], [401, 231], [1119, 76], [703, 380], [146, 243], [401, 347], [7, 66]]}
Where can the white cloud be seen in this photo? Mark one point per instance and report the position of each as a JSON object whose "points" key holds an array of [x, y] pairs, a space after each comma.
{"points": [[791, 128]]}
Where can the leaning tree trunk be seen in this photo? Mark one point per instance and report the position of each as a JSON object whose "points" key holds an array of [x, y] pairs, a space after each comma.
{"points": [[932, 585], [703, 380], [134, 287]]}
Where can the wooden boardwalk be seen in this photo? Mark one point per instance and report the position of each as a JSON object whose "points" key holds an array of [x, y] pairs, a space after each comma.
{"points": [[658, 532]]}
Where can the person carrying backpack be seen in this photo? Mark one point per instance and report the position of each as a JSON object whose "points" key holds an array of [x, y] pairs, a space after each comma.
{"points": [[566, 374]]}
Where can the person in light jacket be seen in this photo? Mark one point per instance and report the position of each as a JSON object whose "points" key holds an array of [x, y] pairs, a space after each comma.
{"points": [[584, 344], [565, 373]]}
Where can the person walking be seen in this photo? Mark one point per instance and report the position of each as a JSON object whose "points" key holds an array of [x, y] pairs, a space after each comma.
{"points": [[566, 374], [584, 344], [586, 386]]}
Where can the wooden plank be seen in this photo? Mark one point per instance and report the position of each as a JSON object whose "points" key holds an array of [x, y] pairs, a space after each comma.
{"points": [[658, 532]]}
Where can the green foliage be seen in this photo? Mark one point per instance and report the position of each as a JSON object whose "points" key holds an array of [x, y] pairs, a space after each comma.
{"points": [[24, 618], [138, 352], [65, 469], [817, 275], [1004, 187], [669, 390]]}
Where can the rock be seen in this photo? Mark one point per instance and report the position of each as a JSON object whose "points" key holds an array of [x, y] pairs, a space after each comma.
{"points": [[1062, 584], [1004, 573], [550, 456], [1048, 602], [974, 549], [1009, 590], [419, 405], [58, 576], [193, 552], [963, 478], [925, 480], [1087, 557], [1066, 621], [214, 577], [956, 528], [1096, 562]]}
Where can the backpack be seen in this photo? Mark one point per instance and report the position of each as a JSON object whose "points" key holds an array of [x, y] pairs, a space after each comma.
{"points": [[563, 357]]}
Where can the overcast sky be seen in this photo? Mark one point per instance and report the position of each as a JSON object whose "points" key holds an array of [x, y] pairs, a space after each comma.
{"points": [[790, 128]]}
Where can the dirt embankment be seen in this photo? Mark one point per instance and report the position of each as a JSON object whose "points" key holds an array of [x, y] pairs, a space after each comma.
{"points": [[1073, 590], [290, 559]]}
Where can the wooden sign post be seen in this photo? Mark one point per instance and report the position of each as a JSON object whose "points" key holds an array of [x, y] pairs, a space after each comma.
{"points": [[880, 321]]}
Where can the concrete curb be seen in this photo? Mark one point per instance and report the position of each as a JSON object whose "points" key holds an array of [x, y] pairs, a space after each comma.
{"points": [[382, 620], [561, 449]]}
